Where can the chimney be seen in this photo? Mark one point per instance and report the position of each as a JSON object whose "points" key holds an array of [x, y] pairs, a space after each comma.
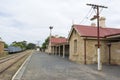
{"points": [[93, 24], [102, 22]]}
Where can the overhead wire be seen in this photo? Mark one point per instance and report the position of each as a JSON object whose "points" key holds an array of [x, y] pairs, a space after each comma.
{"points": [[90, 12], [86, 15], [101, 10]]}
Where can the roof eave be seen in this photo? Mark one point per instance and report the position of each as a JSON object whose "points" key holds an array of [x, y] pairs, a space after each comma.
{"points": [[91, 36], [70, 33], [113, 36]]}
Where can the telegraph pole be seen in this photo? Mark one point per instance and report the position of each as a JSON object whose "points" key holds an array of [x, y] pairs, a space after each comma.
{"points": [[94, 6]]}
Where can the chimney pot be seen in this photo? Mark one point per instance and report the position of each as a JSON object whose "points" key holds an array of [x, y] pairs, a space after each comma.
{"points": [[102, 22]]}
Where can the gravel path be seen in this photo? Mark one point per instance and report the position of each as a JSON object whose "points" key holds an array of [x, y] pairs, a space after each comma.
{"points": [[49, 67]]}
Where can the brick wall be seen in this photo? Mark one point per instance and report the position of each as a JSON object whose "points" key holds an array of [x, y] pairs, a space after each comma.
{"points": [[115, 53], [1, 47], [91, 51], [78, 56]]}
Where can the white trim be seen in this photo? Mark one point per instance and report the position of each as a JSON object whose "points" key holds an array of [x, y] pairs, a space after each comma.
{"points": [[73, 28], [99, 59], [70, 32], [13, 78], [114, 36]]}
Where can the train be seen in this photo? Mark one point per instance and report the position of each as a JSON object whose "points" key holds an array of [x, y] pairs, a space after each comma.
{"points": [[14, 49]]}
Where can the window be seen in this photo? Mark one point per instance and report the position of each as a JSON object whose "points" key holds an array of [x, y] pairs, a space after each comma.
{"points": [[75, 46]]}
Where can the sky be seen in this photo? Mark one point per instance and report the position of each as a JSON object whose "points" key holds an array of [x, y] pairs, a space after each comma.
{"points": [[29, 20]]}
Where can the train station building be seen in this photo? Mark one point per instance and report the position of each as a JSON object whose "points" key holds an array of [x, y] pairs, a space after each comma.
{"points": [[59, 46], [83, 44], [1, 46]]}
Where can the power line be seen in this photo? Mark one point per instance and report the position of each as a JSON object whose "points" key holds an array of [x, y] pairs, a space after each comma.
{"points": [[90, 14], [87, 15], [101, 10]]}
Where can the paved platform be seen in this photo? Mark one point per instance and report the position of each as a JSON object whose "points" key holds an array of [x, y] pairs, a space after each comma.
{"points": [[49, 67]]}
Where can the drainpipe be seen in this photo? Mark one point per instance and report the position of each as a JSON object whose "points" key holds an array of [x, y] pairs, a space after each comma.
{"points": [[84, 51], [109, 47]]}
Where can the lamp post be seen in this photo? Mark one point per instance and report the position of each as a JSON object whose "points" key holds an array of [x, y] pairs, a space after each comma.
{"points": [[50, 38]]}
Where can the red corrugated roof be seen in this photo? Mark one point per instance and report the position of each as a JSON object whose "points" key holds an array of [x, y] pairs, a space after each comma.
{"points": [[90, 31], [58, 40]]}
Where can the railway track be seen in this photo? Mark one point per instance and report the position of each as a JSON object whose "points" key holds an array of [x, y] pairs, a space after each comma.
{"points": [[2, 60], [7, 62]]}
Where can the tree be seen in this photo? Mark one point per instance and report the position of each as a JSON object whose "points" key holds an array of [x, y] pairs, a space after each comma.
{"points": [[5, 45], [31, 46], [21, 44], [45, 44], [24, 43]]}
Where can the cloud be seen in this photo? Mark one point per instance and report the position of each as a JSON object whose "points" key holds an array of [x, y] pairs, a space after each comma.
{"points": [[30, 19]]}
